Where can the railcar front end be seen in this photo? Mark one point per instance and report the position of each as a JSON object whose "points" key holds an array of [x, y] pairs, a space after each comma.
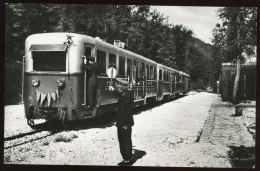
{"points": [[53, 77]]}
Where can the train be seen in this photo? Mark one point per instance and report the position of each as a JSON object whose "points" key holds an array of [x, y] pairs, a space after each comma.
{"points": [[54, 80]]}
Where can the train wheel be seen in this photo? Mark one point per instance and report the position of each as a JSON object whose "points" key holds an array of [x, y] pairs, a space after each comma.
{"points": [[62, 116]]}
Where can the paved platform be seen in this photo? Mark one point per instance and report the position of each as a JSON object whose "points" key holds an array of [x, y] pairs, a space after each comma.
{"points": [[222, 127]]}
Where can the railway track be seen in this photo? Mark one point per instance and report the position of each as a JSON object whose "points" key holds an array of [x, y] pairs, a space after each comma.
{"points": [[24, 140], [41, 131], [10, 138]]}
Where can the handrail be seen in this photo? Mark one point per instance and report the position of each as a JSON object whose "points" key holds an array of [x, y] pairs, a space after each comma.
{"points": [[85, 86], [23, 79]]}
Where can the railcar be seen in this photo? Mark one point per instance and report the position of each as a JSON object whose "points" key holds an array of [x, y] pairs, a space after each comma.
{"points": [[55, 81]]}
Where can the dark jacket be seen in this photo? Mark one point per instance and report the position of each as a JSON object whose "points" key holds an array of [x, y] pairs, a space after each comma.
{"points": [[125, 109], [92, 70]]}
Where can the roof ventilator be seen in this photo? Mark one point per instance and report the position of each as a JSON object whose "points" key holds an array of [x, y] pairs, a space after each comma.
{"points": [[118, 43]]}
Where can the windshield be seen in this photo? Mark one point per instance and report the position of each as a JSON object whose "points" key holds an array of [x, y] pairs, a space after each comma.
{"points": [[49, 61]]}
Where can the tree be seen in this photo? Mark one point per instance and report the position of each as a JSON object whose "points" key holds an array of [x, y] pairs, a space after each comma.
{"points": [[144, 30], [237, 34], [182, 36]]}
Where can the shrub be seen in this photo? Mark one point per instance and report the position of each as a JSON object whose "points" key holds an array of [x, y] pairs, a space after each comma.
{"points": [[65, 138]]}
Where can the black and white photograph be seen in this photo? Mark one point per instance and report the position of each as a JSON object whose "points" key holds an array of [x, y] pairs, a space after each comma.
{"points": [[130, 85]]}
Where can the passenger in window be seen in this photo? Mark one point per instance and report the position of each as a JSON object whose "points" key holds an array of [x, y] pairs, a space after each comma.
{"points": [[92, 70]]}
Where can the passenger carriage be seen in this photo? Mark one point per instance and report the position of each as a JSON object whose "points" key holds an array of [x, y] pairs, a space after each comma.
{"points": [[171, 82], [55, 81]]}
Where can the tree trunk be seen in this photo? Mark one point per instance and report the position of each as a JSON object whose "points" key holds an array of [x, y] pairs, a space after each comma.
{"points": [[236, 83]]}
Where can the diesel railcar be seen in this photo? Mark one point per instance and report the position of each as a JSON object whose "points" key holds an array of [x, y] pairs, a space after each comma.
{"points": [[55, 81]]}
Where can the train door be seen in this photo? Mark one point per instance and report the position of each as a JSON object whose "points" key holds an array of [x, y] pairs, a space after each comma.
{"points": [[134, 78], [144, 77], [171, 80], [139, 80], [186, 85], [87, 98], [129, 70], [181, 84], [175, 81]]}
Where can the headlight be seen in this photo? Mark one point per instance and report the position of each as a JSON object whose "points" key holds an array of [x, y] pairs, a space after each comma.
{"points": [[35, 82], [61, 82]]}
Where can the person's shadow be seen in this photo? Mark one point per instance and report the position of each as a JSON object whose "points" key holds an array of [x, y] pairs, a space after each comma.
{"points": [[138, 154]]}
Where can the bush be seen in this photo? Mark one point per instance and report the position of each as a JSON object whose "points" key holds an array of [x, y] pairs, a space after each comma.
{"points": [[65, 138]]}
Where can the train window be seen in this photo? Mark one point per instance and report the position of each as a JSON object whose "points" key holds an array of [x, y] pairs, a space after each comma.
{"points": [[88, 51], [143, 70], [49, 61], [121, 65], [164, 75], [129, 66], [151, 72], [136, 69], [160, 75], [155, 73], [112, 60], [180, 79], [148, 71], [139, 69], [101, 61]]}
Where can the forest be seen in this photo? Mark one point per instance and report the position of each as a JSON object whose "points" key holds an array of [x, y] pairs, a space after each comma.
{"points": [[144, 30]]}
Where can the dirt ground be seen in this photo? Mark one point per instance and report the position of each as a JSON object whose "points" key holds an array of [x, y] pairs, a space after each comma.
{"points": [[163, 135]]}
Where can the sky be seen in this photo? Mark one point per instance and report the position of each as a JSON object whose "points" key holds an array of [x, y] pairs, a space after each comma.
{"points": [[201, 20]]}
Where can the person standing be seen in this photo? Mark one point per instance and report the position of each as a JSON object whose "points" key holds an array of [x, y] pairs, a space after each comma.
{"points": [[124, 121], [92, 70]]}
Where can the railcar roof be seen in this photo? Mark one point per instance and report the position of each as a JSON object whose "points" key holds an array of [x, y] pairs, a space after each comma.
{"points": [[84, 38], [165, 67], [171, 69], [120, 50]]}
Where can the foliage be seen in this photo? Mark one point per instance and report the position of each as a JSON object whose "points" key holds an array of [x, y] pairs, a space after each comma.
{"points": [[237, 33], [144, 30], [13, 80], [65, 138]]}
